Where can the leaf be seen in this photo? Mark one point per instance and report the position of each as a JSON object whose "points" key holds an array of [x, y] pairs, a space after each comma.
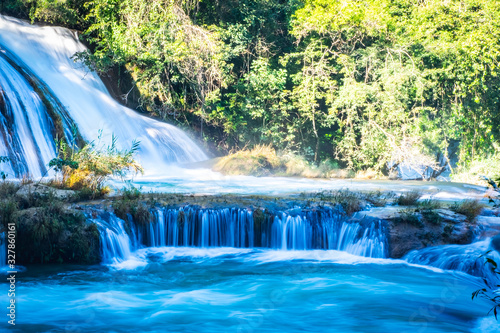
{"points": [[492, 262]]}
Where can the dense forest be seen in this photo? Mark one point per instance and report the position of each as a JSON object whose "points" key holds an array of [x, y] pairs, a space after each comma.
{"points": [[363, 83]]}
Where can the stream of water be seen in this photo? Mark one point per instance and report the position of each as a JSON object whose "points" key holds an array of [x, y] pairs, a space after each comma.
{"points": [[212, 270], [249, 290]]}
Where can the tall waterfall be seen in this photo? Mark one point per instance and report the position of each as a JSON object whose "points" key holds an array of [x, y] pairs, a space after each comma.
{"points": [[324, 228], [27, 131]]}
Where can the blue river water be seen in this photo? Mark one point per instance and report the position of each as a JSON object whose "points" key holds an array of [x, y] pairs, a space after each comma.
{"points": [[187, 289], [216, 289]]}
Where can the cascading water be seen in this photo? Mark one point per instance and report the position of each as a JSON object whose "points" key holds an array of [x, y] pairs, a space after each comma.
{"points": [[241, 228], [464, 258], [25, 125], [27, 130], [116, 244], [220, 294]]}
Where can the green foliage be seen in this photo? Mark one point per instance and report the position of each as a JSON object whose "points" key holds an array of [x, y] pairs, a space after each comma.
{"points": [[483, 167], [470, 208], [59, 164], [69, 13], [370, 84], [4, 159], [411, 217], [175, 64], [129, 203], [52, 234], [264, 161], [257, 109], [47, 231], [87, 169], [490, 289]]}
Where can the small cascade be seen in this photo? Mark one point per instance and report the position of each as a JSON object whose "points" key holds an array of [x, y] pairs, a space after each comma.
{"points": [[116, 244], [464, 258], [193, 226], [190, 226]]}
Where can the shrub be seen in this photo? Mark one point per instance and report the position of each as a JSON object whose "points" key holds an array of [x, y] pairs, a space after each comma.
{"points": [[54, 234], [8, 209], [471, 208], [129, 203], [259, 161], [141, 214], [351, 202], [87, 169], [431, 216], [472, 172], [265, 161], [409, 216], [8, 189]]}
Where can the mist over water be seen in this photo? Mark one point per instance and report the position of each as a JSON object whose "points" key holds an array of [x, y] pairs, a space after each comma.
{"points": [[47, 52]]}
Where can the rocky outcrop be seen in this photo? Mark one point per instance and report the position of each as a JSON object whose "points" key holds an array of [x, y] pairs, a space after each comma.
{"points": [[29, 190], [409, 230], [55, 234]]}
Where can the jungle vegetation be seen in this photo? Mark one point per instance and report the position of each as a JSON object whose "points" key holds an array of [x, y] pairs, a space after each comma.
{"points": [[366, 84]]}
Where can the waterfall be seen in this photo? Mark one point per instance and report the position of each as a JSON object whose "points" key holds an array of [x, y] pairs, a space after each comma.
{"points": [[465, 258], [116, 244], [193, 226], [26, 127]]}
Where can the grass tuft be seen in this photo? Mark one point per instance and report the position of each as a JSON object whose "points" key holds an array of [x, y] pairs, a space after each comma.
{"points": [[430, 204], [471, 208], [351, 202], [409, 198], [409, 216], [265, 161], [379, 199]]}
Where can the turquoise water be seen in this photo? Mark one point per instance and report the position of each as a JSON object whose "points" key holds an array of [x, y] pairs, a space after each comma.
{"points": [[217, 289], [248, 290]]}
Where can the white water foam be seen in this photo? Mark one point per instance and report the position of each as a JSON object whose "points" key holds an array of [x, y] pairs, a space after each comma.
{"points": [[47, 51]]}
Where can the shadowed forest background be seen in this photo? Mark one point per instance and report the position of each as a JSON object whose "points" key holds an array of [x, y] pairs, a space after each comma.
{"points": [[362, 85]]}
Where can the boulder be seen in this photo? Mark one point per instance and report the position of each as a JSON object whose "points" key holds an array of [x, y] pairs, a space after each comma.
{"points": [[408, 230], [28, 190]]}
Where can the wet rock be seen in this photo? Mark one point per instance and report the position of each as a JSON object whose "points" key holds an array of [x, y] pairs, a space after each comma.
{"points": [[29, 190], [410, 229]]}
